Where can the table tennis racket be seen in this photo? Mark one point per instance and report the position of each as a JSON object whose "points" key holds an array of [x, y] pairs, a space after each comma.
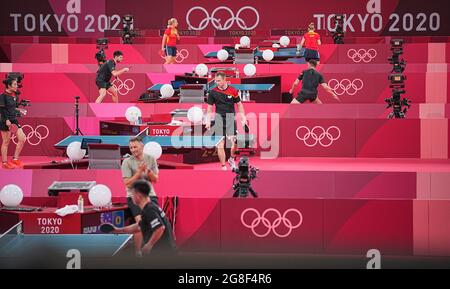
{"points": [[106, 228], [161, 53]]}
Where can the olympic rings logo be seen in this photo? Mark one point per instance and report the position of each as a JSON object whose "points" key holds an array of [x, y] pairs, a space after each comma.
{"points": [[123, 87], [281, 221], [351, 87], [217, 22], [318, 135], [362, 55], [34, 136], [182, 54]]}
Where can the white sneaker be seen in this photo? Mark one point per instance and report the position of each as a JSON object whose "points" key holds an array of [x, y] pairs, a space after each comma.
{"points": [[232, 163], [224, 168]]}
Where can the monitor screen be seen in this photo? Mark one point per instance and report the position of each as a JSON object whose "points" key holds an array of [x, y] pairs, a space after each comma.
{"points": [[86, 141], [177, 83]]}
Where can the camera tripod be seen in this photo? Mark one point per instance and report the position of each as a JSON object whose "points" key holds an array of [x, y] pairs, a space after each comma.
{"points": [[241, 190], [77, 116]]}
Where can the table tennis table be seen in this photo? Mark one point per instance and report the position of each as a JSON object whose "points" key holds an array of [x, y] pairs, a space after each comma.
{"points": [[252, 87], [257, 87], [282, 54], [166, 142], [92, 245], [53, 249]]}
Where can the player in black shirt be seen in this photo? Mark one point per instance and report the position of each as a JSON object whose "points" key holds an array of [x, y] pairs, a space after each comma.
{"points": [[104, 74], [9, 123], [311, 79], [154, 225], [224, 97]]}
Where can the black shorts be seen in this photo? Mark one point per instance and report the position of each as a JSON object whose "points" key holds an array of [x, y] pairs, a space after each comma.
{"points": [[4, 127], [311, 54], [302, 97], [134, 210], [170, 51], [224, 127], [103, 84]]}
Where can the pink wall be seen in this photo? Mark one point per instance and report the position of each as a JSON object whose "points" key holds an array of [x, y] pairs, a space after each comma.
{"points": [[288, 131], [218, 184], [193, 54]]}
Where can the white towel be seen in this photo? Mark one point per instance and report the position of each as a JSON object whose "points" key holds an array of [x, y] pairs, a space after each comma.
{"points": [[69, 209]]}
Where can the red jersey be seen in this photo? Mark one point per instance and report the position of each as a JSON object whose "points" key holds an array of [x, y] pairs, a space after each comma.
{"points": [[230, 90], [224, 99], [311, 40], [171, 37]]}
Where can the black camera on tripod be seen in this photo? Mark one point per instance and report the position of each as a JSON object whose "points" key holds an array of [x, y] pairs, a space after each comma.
{"points": [[128, 32], [399, 65], [396, 97], [338, 34], [244, 175], [396, 52], [100, 56], [400, 106], [397, 82]]}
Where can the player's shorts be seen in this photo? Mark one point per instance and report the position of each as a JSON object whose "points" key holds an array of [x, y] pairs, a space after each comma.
{"points": [[302, 97], [224, 126], [170, 51], [311, 54], [4, 127], [103, 84]]}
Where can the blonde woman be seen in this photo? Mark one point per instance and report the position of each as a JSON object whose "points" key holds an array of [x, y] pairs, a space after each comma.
{"points": [[169, 42], [311, 41]]}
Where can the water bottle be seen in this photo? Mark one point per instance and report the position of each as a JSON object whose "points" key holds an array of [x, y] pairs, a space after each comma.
{"points": [[80, 204], [237, 73]]}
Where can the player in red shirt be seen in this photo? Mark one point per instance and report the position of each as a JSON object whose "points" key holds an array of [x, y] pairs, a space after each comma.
{"points": [[169, 41], [311, 42]]}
